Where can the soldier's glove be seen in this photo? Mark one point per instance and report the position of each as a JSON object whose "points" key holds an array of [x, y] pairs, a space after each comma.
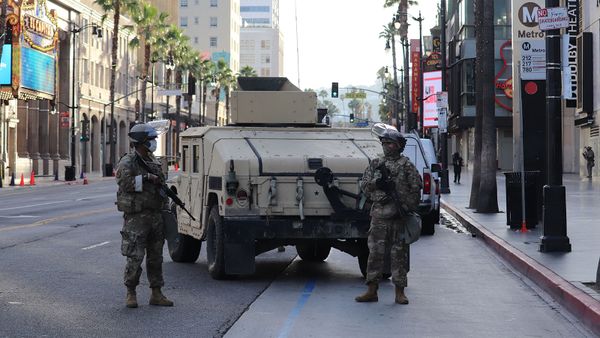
{"points": [[152, 178], [384, 184]]}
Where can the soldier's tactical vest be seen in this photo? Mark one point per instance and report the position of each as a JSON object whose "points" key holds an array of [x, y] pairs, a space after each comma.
{"points": [[384, 206], [151, 197]]}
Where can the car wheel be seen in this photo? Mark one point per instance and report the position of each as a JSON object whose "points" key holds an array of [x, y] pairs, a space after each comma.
{"points": [[313, 251], [215, 245], [182, 248]]}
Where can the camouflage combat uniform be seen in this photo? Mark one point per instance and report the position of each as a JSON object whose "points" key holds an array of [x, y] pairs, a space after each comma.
{"points": [[387, 225], [143, 224]]}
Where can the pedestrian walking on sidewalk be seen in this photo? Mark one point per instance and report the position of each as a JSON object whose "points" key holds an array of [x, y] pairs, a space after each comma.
{"points": [[393, 171], [457, 163], [140, 198], [588, 155]]}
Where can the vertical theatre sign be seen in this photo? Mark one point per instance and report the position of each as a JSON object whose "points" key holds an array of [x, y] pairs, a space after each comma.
{"points": [[569, 54], [415, 59], [38, 50]]}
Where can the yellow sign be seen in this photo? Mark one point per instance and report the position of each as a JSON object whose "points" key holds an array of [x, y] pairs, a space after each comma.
{"points": [[356, 95]]}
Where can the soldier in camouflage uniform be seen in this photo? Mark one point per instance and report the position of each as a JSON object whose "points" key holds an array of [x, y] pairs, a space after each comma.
{"points": [[141, 199], [384, 174]]}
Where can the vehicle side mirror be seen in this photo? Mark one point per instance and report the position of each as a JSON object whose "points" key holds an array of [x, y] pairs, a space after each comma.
{"points": [[436, 168]]}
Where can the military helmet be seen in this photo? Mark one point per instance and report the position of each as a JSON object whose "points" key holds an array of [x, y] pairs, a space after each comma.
{"points": [[392, 135], [141, 133]]}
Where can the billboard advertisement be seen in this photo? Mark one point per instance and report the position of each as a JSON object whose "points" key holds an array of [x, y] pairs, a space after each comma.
{"points": [[6, 65], [432, 84], [37, 70]]}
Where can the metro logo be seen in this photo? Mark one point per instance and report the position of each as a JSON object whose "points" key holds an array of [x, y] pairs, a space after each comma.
{"points": [[528, 14]]}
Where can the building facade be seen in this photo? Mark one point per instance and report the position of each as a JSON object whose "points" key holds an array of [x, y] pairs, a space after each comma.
{"points": [[213, 27], [261, 41], [55, 89], [460, 37]]}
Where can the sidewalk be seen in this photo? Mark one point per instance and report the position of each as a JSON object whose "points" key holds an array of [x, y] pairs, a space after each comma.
{"points": [[41, 181], [562, 275]]}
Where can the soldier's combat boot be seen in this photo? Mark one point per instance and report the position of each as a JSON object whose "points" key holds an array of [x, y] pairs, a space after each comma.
{"points": [[131, 301], [400, 296], [370, 295], [159, 299]]}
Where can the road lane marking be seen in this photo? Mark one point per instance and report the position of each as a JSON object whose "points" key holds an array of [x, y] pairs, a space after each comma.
{"points": [[56, 219], [20, 216], [81, 199], [95, 245], [289, 322]]}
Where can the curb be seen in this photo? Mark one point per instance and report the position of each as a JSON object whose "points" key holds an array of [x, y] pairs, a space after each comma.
{"points": [[582, 305]]}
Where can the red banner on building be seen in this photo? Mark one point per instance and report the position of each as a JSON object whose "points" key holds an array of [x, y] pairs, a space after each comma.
{"points": [[415, 90]]}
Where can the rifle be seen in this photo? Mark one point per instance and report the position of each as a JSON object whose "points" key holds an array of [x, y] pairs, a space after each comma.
{"points": [[163, 187]]}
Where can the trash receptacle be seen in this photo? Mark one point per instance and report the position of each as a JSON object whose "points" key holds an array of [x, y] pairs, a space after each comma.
{"points": [[69, 173], [108, 169], [514, 212]]}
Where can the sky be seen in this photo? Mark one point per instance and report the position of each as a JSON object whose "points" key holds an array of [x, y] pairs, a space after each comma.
{"points": [[338, 40]]}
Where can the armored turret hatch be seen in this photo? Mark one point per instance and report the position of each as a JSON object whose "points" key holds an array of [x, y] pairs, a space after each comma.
{"points": [[272, 101]]}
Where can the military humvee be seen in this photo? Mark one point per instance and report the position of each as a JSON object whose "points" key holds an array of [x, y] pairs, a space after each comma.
{"points": [[273, 177]]}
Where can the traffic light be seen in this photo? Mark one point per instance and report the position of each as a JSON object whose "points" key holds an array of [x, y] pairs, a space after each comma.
{"points": [[334, 90], [351, 118]]}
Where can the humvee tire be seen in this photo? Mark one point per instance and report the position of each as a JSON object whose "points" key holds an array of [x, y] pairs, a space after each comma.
{"points": [[182, 248], [428, 224], [215, 245], [313, 251]]}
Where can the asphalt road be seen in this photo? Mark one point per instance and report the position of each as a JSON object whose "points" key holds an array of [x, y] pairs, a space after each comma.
{"points": [[61, 273], [61, 276]]}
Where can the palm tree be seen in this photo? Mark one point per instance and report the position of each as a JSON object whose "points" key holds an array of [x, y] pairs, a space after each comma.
{"points": [[229, 83], [247, 71], [116, 6], [221, 76], [151, 25], [207, 69], [488, 194]]}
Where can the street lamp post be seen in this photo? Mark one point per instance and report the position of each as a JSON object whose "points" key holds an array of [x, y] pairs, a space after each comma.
{"points": [[420, 20]]}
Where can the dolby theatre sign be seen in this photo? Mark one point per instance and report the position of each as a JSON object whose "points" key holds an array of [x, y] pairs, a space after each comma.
{"points": [[40, 29]]}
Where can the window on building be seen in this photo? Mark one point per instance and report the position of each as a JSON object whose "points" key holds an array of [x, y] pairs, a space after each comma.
{"points": [[468, 82], [196, 2], [183, 3], [265, 72], [84, 33], [196, 20], [213, 41], [213, 21], [265, 58], [264, 9], [265, 44], [195, 39], [183, 21], [214, 3]]}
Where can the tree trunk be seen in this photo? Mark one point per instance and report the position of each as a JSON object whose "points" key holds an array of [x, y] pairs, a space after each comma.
{"points": [[217, 93], [476, 172], [113, 71], [200, 117], [227, 104], [204, 103], [488, 194], [145, 69]]}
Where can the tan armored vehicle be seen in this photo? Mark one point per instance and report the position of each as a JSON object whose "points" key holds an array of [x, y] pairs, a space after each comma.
{"points": [[273, 177]]}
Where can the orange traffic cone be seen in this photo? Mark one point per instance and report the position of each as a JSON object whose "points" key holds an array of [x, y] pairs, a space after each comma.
{"points": [[32, 178], [176, 166], [523, 226], [22, 183]]}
